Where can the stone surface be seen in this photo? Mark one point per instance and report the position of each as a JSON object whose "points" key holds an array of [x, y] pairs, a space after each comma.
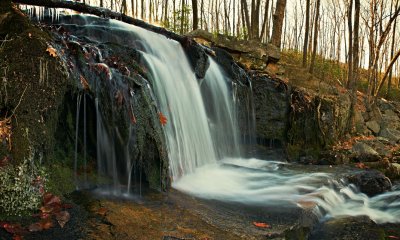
{"points": [[391, 134], [362, 149], [373, 126], [370, 182], [271, 107], [349, 228]]}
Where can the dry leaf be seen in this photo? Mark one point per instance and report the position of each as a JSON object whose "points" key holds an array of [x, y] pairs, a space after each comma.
{"points": [[62, 218], [46, 223], [84, 83], [35, 227], [52, 51], [102, 211], [261, 225], [163, 119], [30, 35]]}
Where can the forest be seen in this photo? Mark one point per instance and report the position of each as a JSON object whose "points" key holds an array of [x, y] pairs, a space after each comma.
{"points": [[200, 119]]}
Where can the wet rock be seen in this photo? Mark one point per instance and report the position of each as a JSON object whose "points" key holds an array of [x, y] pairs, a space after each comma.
{"points": [[197, 57], [371, 182], [349, 228], [271, 107], [373, 126]]}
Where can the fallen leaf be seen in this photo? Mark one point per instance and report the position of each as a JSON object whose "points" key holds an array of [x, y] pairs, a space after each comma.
{"points": [[132, 117], [393, 237], [17, 237], [13, 228], [84, 83], [261, 225], [163, 119], [361, 165], [46, 209], [30, 35], [62, 218], [67, 206], [102, 211], [50, 199], [52, 51], [35, 227], [46, 223]]}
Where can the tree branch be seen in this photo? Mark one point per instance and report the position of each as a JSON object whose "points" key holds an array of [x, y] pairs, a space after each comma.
{"points": [[103, 12]]}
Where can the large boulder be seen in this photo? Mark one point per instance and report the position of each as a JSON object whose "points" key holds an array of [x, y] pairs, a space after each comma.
{"points": [[371, 182]]}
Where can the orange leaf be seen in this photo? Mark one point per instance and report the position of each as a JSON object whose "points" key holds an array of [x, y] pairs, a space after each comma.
{"points": [[50, 199], [361, 165], [46, 223], [52, 51], [17, 237], [84, 83], [62, 218], [163, 119], [102, 211], [35, 227], [261, 225], [132, 117]]}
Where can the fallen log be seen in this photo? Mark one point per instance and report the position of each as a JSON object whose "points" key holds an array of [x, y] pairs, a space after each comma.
{"points": [[105, 13]]}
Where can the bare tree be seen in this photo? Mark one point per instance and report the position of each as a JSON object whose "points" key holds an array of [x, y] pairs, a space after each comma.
{"points": [[306, 34], [278, 23], [315, 40], [195, 15]]}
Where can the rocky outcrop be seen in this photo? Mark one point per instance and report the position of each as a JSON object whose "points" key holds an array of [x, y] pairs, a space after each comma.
{"points": [[252, 55], [271, 104]]}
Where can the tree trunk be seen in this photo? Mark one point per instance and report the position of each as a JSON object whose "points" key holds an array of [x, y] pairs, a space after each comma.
{"points": [[306, 34], [246, 20], [182, 15], [355, 68], [264, 26], [195, 15], [166, 21], [142, 12], [389, 87], [278, 23], [315, 41]]}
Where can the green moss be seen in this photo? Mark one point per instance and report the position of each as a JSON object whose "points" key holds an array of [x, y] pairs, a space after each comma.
{"points": [[60, 179]]}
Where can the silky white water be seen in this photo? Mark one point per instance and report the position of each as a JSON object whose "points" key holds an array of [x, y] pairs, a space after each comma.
{"points": [[202, 140], [202, 131], [271, 183]]}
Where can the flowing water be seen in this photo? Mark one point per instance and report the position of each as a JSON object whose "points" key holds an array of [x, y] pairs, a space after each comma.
{"points": [[202, 137]]}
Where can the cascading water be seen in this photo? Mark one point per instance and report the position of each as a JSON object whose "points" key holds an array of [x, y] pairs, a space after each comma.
{"points": [[202, 140], [196, 135]]}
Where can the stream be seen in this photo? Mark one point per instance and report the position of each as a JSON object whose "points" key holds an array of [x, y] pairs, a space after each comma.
{"points": [[203, 140]]}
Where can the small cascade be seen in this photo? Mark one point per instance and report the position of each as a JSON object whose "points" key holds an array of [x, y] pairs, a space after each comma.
{"points": [[201, 133], [78, 107]]}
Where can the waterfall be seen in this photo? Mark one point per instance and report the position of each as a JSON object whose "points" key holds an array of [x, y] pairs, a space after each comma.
{"points": [[201, 124], [202, 134]]}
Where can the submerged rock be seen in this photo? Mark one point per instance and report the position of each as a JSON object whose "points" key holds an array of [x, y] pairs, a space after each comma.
{"points": [[371, 182]]}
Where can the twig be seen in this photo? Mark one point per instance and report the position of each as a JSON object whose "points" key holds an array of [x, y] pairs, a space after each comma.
{"points": [[19, 102]]}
